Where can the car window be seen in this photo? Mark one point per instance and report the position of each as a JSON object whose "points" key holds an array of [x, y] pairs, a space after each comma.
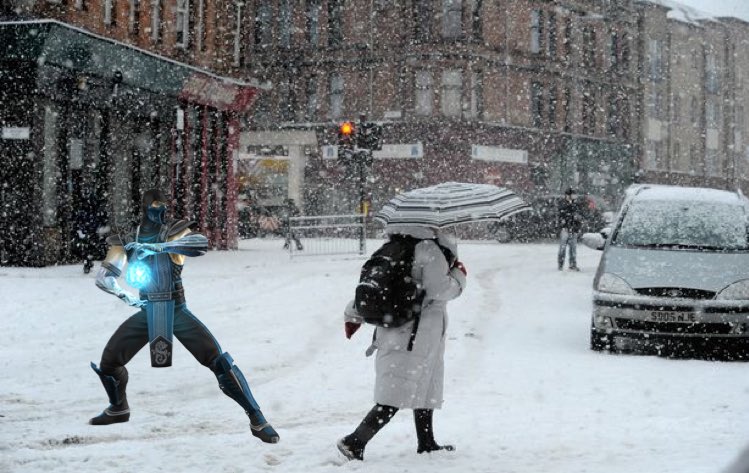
{"points": [[683, 225]]}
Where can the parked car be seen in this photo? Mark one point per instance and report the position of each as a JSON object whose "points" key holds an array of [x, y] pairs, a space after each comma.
{"points": [[541, 222], [674, 273]]}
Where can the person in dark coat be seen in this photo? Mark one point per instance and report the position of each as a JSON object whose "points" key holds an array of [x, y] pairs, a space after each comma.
{"points": [[89, 221], [290, 210], [570, 222]]}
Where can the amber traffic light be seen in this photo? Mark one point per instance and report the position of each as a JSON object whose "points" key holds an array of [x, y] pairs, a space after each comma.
{"points": [[346, 132]]}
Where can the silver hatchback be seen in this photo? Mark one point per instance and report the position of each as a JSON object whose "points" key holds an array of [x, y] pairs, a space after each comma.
{"points": [[674, 273]]}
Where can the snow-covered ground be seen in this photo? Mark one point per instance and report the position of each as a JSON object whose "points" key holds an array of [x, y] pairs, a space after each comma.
{"points": [[523, 391]]}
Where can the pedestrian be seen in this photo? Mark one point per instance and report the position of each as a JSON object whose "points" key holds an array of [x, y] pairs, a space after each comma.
{"points": [[570, 222], [410, 358], [154, 256], [290, 210], [89, 222]]}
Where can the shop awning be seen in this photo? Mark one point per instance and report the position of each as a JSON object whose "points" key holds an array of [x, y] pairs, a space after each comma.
{"points": [[52, 43]]}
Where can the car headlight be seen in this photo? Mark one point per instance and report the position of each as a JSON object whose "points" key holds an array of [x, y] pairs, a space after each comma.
{"points": [[738, 290], [614, 284]]}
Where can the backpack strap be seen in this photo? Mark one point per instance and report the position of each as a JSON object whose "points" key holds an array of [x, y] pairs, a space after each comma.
{"points": [[413, 333]]}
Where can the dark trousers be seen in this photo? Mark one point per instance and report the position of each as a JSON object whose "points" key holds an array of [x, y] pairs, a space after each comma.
{"points": [[132, 335]]}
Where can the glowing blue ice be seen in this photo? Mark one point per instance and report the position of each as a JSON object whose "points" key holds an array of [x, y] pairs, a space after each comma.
{"points": [[138, 274]]}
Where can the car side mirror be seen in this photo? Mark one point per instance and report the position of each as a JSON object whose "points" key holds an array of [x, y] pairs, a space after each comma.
{"points": [[605, 232], [594, 241]]}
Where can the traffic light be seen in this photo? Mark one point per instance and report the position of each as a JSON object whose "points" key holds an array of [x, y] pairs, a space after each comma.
{"points": [[346, 135], [369, 136]]}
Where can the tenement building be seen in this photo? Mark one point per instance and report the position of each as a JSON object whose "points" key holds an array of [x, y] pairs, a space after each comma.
{"points": [[534, 95]]}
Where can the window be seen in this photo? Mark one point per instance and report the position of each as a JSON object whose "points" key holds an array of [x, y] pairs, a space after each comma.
{"points": [[452, 19], [311, 93], [287, 100], [424, 93], [712, 80], [624, 123], [49, 168], [676, 108], [335, 23], [476, 107], [200, 28], [313, 22], [567, 41], [625, 51], [476, 26], [79, 5], [712, 114], [109, 13], [694, 112], [237, 52], [536, 30], [567, 104], [553, 107], [182, 23], [693, 163], [452, 92], [552, 42], [336, 90], [423, 16], [655, 103], [655, 56], [589, 42], [589, 113], [614, 50], [156, 20], [285, 16], [133, 17], [537, 104], [263, 26], [612, 120]]}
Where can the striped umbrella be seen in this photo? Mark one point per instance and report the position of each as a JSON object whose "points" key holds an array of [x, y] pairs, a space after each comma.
{"points": [[451, 203]]}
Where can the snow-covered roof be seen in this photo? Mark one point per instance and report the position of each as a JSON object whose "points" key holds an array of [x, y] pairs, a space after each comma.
{"points": [[683, 13], [663, 192]]}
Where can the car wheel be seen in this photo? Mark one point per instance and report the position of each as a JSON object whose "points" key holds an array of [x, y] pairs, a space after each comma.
{"points": [[502, 234], [600, 341]]}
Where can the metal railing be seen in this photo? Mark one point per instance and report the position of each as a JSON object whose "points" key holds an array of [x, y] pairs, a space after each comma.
{"points": [[318, 235]]}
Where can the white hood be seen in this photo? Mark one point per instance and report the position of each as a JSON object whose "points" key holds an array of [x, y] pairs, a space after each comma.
{"points": [[445, 239]]}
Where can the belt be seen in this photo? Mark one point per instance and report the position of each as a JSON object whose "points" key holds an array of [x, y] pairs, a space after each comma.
{"points": [[177, 295]]}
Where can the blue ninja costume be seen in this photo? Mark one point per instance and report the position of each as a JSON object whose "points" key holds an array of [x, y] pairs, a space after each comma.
{"points": [[152, 260]]}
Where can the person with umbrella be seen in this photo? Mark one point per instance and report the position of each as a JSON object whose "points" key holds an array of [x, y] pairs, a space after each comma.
{"points": [[410, 358]]}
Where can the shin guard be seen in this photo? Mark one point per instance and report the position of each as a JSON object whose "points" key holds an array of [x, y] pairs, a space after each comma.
{"points": [[233, 383]]}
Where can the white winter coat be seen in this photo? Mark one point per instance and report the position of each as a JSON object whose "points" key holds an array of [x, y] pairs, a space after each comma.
{"points": [[415, 379]]}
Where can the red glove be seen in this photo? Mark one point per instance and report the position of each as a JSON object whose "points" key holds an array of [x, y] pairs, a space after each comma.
{"points": [[459, 265], [350, 328]]}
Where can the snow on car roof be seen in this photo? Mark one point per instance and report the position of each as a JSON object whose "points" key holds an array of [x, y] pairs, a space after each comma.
{"points": [[660, 192]]}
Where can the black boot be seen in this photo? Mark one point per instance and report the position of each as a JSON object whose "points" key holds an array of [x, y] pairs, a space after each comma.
{"points": [[352, 445], [87, 266], [425, 432], [114, 384]]}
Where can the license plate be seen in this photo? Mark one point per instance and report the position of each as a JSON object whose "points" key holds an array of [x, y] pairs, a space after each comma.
{"points": [[682, 317]]}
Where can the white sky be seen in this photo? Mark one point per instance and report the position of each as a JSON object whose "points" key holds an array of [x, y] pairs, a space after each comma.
{"points": [[736, 8]]}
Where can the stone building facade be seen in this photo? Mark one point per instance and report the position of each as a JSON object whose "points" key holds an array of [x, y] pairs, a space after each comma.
{"points": [[692, 97], [531, 94]]}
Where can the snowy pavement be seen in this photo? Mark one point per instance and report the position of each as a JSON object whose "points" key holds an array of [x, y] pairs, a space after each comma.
{"points": [[523, 391]]}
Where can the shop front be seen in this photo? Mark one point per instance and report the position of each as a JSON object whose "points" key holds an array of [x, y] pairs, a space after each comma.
{"points": [[89, 123]]}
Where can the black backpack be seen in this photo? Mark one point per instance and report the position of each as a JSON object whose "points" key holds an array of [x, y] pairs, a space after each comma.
{"points": [[386, 295]]}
